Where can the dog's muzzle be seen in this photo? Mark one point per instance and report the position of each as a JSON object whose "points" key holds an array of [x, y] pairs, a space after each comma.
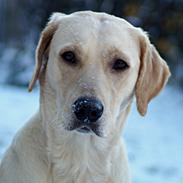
{"points": [[87, 111]]}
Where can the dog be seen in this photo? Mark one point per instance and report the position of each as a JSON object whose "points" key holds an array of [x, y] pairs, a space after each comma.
{"points": [[90, 67]]}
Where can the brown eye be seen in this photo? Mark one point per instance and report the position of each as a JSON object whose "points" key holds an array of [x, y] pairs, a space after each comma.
{"points": [[120, 65], [69, 57]]}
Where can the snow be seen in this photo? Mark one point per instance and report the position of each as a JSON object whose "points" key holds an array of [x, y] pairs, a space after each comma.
{"points": [[154, 142], [17, 63], [16, 107]]}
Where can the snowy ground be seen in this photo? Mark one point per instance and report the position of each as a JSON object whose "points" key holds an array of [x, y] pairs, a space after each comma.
{"points": [[154, 143]]}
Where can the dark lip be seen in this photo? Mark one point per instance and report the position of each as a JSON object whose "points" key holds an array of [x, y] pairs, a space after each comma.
{"points": [[84, 129]]}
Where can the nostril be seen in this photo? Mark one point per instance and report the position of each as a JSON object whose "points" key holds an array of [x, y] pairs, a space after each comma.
{"points": [[81, 114], [93, 114]]}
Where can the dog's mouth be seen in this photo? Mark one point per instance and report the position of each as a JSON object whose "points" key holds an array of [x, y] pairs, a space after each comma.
{"points": [[85, 128]]}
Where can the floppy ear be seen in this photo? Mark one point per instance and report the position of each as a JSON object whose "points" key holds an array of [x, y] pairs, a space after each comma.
{"points": [[43, 46], [153, 75]]}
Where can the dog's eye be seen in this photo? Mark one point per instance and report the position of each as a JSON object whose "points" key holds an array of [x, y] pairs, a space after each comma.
{"points": [[69, 57], [119, 65]]}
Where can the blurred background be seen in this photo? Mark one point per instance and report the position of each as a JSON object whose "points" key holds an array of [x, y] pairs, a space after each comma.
{"points": [[154, 143]]}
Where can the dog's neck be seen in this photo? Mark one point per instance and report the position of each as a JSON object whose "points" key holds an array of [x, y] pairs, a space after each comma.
{"points": [[74, 150]]}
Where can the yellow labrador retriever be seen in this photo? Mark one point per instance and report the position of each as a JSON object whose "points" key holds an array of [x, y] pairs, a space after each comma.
{"points": [[90, 67]]}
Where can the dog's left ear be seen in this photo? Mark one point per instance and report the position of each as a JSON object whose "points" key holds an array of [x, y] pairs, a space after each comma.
{"points": [[43, 47], [153, 74]]}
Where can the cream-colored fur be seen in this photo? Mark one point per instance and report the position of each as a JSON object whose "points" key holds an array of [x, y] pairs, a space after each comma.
{"points": [[44, 151]]}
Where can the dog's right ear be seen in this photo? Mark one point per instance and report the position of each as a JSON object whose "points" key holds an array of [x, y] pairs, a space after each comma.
{"points": [[42, 49], [153, 75]]}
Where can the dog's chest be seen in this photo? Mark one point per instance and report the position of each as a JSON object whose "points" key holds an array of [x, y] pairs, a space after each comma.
{"points": [[79, 176], [78, 167]]}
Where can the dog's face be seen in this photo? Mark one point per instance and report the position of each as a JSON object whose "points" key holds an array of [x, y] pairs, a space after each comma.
{"points": [[94, 67]]}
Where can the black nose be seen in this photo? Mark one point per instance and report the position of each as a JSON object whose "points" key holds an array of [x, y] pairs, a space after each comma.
{"points": [[87, 109]]}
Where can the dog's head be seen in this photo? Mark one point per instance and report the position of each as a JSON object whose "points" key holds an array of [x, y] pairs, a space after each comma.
{"points": [[93, 64]]}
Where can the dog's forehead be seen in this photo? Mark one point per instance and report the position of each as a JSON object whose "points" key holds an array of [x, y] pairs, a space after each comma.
{"points": [[88, 28]]}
